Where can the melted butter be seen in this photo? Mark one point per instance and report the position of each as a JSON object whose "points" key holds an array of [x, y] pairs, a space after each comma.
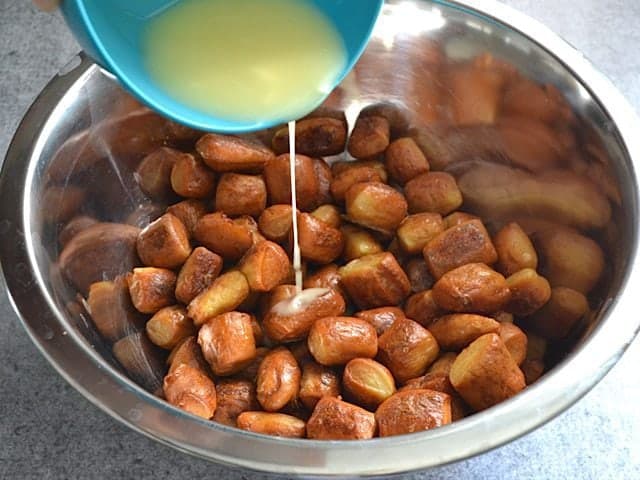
{"points": [[245, 59], [299, 302], [297, 262]]}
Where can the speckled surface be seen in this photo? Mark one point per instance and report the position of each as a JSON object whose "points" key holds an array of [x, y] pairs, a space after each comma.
{"points": [[48, 430]]}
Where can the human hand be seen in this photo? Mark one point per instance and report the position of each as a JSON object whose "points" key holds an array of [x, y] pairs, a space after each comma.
{"points": [[47, 5]]}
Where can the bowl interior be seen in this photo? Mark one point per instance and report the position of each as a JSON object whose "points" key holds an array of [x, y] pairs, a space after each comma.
{"points": [[83, 163]]}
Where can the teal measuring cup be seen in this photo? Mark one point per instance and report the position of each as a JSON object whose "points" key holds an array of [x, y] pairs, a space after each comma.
{"points": [[111, 32]]}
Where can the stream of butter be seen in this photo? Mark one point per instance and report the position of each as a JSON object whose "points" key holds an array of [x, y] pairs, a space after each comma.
{"points": [[297, 263]]}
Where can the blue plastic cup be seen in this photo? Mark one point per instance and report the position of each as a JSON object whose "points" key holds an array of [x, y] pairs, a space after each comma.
{"points": [[111, 32]]}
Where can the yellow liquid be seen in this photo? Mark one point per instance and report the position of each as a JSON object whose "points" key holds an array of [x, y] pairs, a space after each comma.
{"points": [[297, 258], [245, 60]]}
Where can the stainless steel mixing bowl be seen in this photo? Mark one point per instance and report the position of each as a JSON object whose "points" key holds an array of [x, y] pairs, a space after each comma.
{"points": [[97, 164]]}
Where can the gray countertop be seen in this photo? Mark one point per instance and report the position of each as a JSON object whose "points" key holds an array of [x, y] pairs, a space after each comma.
{"points": [[48, 430]]}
